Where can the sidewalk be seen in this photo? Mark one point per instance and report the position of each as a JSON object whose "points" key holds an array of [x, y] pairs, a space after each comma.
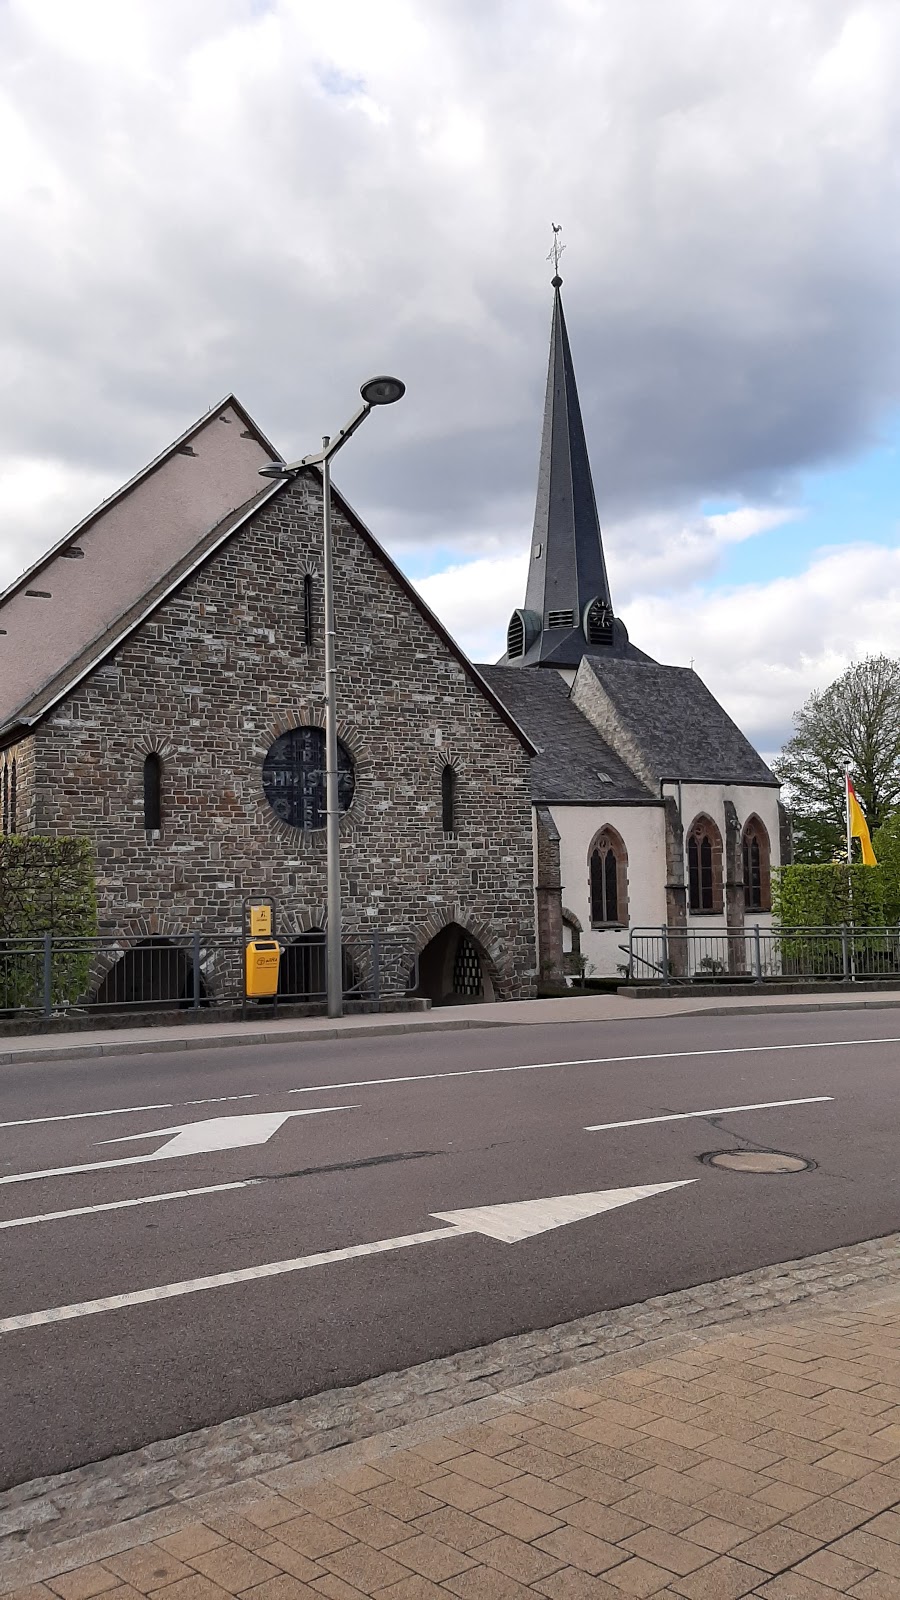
{"points": [[708, 1464], [497, 1014]]}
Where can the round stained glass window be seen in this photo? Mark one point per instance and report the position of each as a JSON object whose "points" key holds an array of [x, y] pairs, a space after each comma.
{"points": [[294, 778]]}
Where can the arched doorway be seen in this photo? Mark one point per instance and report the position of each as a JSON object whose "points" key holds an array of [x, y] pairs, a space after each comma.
{"points": [[453, 969], [154, 972]]}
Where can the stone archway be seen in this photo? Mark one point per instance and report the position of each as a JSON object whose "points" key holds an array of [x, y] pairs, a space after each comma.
{"points": [[156, 971], [454, 968]]}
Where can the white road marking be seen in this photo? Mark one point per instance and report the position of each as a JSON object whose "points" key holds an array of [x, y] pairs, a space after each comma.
{"points": [[78, 1116], [717, 1111], [507, 1223], [525, 1218], [219, 1133], [120, 1205], [591, 1061], [464, 1072], [125, 1111], [192, 1138]]}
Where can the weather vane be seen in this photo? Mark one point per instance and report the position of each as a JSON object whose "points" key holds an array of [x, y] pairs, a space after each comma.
{"points": [[556, 251]]}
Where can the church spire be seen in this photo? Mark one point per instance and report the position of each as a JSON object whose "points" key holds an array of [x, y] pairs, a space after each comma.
{"points": [[568, 608]]}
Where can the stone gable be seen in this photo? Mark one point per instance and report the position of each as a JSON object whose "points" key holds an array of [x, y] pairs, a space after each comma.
{"points": [[211, 680]]}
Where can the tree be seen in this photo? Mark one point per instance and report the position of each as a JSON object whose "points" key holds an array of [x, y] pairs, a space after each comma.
{"points": [[886, 844], [853, 723]]}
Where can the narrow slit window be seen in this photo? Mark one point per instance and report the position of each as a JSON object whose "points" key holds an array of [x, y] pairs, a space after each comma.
{"points": [[448, 800], [152, 793], [13, 799], [308, 610]]}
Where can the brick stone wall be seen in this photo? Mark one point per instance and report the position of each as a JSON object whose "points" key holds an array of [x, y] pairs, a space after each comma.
{"points": [[210, 681], [549, 897], [17, 793]]}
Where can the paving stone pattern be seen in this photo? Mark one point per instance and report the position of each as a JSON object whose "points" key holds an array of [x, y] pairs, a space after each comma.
{"points": [[698, 1444], [764, 1461]]}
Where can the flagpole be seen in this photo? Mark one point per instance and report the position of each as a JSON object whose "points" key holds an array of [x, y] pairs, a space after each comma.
{"points": [[849, 872]]}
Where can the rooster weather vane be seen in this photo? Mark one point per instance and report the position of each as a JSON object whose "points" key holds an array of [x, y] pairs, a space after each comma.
{"points": [[556, 250]]}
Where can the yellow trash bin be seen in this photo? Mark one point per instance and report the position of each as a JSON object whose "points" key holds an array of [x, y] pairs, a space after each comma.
{"points": [[262, 957]]}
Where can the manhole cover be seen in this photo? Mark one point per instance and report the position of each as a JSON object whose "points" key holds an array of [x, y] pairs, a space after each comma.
{"points": [[757, 1161]]}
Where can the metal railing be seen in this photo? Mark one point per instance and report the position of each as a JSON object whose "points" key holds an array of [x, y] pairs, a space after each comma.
{"points": [[684, 955], [52, 974]]}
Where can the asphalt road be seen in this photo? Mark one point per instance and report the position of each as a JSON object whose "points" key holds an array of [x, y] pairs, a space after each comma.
{"points": [[418, 1126]]}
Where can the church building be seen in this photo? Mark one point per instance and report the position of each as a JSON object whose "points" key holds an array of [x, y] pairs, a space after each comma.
{"points": [[652, 810], [162, 693]]}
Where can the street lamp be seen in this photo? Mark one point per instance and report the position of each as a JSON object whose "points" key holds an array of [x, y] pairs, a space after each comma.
{"points": [[381, 391]]}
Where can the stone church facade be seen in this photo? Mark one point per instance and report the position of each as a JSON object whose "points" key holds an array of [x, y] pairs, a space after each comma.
{"points": [[208, 694], [162, 693]]}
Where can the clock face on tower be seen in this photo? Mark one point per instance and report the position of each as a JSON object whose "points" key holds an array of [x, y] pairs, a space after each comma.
{"points": [[598, 622]]}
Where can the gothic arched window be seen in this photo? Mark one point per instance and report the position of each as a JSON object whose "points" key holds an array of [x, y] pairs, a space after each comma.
{"points": [[448, 799], [756, 855], [152, 792], [609, 879], [704, 852]]}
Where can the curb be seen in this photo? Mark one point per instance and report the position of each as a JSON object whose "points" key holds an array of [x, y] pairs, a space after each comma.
{"points": [[301, 1035], [140, 1047]]}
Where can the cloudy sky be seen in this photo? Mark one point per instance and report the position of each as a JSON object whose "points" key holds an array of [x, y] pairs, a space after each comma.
{"points": [[279, 197]]}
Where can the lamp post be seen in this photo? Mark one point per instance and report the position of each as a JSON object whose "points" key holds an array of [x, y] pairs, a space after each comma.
{"points": [[381, 391]]}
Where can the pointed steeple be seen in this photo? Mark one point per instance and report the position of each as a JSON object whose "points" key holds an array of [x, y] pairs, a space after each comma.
{"points": [[568, 607]]}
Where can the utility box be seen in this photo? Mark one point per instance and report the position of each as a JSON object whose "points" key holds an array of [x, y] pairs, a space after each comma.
{"points": [[260, 922], [262, 958]]}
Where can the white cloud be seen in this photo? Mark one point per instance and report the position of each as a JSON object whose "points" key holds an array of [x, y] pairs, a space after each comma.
{"points": [[647, 556], [762, 648], [279, 198]]}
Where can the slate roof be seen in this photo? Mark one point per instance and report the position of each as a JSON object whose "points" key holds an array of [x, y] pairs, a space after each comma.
{"points": [[677, 724], [69, 605], [571, 754], [83, 622]]}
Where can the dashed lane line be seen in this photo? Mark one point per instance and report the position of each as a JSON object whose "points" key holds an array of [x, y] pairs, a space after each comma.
{"points": [[126, 1111], [120, 1205], [716, 1111], [593, 1061]]}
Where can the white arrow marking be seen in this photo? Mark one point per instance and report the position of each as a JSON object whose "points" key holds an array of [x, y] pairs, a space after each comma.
{"points": [[717, 1111], [524, 1218], [217, 1133], [191, 1139], [508, 1223]]}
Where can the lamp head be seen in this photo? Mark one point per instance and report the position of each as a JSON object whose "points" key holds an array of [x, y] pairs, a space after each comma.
{"points": [[382, 391]]}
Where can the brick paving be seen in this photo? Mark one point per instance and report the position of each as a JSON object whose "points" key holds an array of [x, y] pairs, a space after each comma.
{"points": [[761, 1459]]}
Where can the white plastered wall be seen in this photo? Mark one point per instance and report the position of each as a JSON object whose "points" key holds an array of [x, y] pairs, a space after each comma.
{"points": [[642, 829], [696, 799]]}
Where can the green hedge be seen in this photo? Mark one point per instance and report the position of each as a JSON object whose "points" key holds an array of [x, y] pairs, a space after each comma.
{"points": [[825, 896], [833, 895], [46, 886]]}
